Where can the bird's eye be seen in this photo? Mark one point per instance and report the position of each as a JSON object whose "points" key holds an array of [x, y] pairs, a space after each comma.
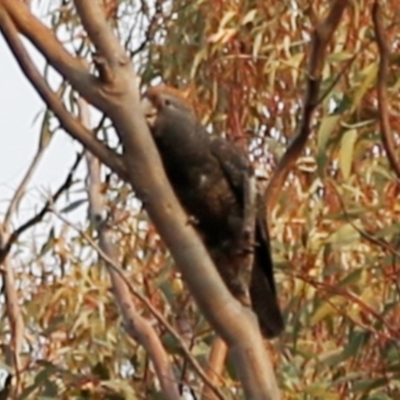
{"points": [[167, 102]]}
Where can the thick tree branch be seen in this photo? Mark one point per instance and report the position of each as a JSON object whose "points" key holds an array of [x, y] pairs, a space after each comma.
{"points": [[119, 99], [148, 178], [383, 105], [320, 39], [99, 31]]}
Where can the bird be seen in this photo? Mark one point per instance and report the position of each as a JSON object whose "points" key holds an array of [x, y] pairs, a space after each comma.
{"points": [[208, 175]]}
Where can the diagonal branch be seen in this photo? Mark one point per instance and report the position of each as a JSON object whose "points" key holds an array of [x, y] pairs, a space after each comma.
{"points": [[68, 122], [139, 328], [98, 29], [153, 310], [119, 99], [147, 176], [19, 193], [320, 39], [72, 69], [383, 105], [12, 306], [136, 326], [13, 237]]}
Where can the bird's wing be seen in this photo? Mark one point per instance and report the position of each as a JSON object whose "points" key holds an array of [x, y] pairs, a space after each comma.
{"points": [[238, 171], [234, 164]]}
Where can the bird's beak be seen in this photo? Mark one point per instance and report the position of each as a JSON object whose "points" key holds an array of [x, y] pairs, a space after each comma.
{"points": [[149, 111]]}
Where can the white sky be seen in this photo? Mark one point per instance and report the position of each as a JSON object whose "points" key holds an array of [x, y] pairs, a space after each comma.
{"points": [[19, 132]]}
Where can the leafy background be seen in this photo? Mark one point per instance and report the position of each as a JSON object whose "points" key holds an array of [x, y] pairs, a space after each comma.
{"points": [[334, 229]]}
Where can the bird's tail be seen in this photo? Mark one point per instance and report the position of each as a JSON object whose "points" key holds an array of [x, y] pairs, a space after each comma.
{"points": [[263, 291]]}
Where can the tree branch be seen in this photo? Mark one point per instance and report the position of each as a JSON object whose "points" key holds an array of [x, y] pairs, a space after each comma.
{"points": [[117, 269], [147, 176], [13, 309], [320, 39], [20, 191], [119, 99], [383, 105], [136, 326], [14, 314], [215, 366], [72, 69], [99, 31], [13, 237]]}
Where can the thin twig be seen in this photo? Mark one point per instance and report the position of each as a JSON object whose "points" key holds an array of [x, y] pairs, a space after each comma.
{"points": [[320, 39], [13, 308], [20, 191], [13, 237], [370, 238], [7, 240], [16, 321], [383, 104], [335, 289]]}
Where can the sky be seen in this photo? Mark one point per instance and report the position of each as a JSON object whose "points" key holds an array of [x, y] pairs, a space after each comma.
{"points": [[21, 112]]}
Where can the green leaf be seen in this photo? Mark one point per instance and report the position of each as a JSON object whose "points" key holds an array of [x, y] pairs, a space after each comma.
{"points": [[339, 56], [326, 309], [46, 134], [321, 392], [73, 206], [229, 15], [352, 277], [171, 344], [346, 152], [369, 75], [257, 43], [50, 390], [369, 384], [344, 235], [49, 243], [325, 129]]}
